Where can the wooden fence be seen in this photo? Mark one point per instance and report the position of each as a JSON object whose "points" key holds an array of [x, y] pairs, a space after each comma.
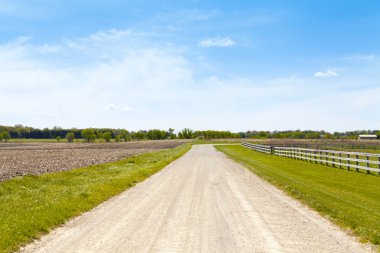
{"points": [[350, 160], [260, 148]]}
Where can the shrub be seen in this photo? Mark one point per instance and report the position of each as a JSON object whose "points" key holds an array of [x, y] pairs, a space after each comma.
{"points": [[88, 135], [5, 136], [70, 137], [118, 138], [107, 136]]}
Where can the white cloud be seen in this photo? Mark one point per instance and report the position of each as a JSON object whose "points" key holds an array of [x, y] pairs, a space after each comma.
{"points": [[217, 42], [126, 108], [110, 107], [326, 74], [160, 88], [361, 57], [48, 49]]}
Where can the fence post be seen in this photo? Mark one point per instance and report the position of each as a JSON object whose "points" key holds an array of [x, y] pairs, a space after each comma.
{"points": [[348, 162], [368, 164], [315, 156], [357, 162], [340, 160], [333, 159]]}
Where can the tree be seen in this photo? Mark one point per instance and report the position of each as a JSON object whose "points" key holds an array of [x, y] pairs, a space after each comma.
{"points": [[140, 135], [171, 133], [156, 134], [125, 135], [70, 137], [107, 136], [118, 138], [88, 134], [5, 136], [58, 138], [186, 133]]}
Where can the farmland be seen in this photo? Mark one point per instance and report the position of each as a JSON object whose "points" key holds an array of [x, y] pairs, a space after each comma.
{"points": [[18, 159]]}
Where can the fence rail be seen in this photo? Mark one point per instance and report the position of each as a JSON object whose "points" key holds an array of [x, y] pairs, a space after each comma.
{"points": [[260, 148], [350, 160]]}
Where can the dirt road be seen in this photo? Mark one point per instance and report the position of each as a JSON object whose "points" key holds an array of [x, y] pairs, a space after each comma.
{"points": [[203, 202]]}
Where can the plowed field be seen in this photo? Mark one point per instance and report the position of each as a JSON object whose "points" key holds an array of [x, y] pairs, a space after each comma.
{"points": [[18, 159]]}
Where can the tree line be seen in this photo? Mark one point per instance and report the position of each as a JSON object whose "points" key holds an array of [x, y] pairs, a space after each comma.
{"points": [[307, 134], [106, 134]]}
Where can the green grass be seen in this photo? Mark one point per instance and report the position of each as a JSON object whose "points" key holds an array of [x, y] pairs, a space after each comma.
{"points": [[32, 205], [350, 199]]}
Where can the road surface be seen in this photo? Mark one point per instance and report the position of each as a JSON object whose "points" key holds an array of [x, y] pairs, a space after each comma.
{"points": [[203, 202]]}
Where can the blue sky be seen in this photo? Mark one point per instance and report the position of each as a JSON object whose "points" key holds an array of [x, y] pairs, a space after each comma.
{"points": [[233, 65]]}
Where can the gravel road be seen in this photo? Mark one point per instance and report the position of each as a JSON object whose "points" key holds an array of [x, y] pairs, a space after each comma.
{"points": [[203, 202]]}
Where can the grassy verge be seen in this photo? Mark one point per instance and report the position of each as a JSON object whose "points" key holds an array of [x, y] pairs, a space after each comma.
{"points": [[350, 199], [30, 206]]}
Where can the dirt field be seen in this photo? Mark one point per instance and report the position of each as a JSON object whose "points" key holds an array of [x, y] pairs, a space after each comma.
{"points": [[202, 202], [17, 159]]}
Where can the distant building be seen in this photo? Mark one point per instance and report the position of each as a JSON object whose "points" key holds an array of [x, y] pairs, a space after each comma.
{"points": [[367, 137]]}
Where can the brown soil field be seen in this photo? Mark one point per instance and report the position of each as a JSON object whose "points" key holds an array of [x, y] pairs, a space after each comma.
{"points": [[19, 159]]}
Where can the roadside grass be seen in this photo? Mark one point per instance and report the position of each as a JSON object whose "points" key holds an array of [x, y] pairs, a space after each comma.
{"points": [[31, 206], [349, 199]]}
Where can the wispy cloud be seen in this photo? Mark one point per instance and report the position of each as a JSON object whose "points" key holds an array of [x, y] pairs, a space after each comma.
{"points": [[361, 57], [158, 87], [326, 74], [217, 42], [110, 107]]}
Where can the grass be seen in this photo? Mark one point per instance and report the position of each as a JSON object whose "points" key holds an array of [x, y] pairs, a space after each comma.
{"points": [[350, 199], [32, 205]]}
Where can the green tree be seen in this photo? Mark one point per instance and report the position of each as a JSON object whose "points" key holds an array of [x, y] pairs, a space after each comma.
{"points": [[140, 135], [125, 135], [107, 136], [5, 136], [70, 137], [88, 134], [118, 138], [171, 133], [186, 133]]}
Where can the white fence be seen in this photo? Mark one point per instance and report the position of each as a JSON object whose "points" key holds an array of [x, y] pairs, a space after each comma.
{"points": [[260, 148], [350, 160]]}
